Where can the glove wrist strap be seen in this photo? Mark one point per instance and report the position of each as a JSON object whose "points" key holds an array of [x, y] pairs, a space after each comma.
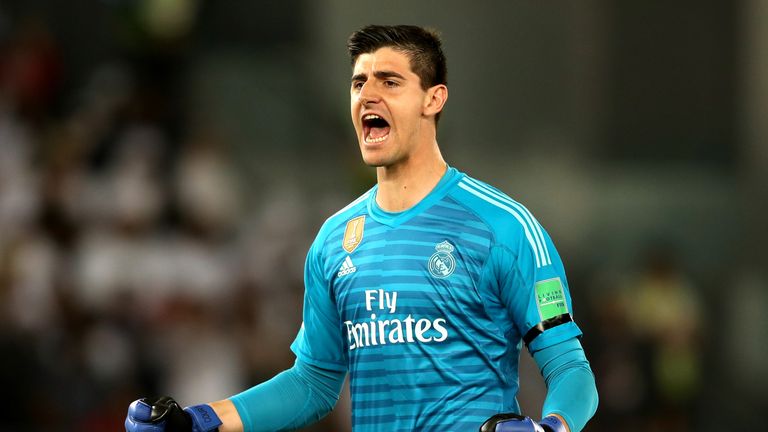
{"points": [[204, 418], [552, 424]]}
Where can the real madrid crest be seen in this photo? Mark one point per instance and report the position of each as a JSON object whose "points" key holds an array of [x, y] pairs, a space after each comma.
{"points": [[353, 234], [442, 263]]}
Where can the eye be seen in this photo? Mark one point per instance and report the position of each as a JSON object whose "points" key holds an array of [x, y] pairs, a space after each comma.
{"points": [[357, 85], [390, 84]]}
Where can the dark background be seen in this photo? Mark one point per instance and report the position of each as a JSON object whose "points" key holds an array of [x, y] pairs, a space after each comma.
{"points": [[165, 164]]}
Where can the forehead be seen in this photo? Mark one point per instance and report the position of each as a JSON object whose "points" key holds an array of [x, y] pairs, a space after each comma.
{"points": [[383, 59]]}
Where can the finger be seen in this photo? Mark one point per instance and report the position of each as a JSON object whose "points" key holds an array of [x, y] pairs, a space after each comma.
{"points": [[140, 411]]}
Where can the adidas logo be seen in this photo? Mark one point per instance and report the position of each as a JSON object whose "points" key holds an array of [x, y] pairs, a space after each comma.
{"points": [[347, 267]]}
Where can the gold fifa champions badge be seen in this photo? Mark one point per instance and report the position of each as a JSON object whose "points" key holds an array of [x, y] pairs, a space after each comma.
{"points": [[353, 234]]}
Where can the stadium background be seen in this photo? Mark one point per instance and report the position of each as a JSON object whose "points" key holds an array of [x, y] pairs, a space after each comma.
{"points": [[164, 165]]}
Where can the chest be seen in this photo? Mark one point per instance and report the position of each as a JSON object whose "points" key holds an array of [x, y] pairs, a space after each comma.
{"points": [[404, 283]]}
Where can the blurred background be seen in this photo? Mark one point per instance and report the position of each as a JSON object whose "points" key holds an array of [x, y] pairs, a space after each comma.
{"points": [[165, 164]]}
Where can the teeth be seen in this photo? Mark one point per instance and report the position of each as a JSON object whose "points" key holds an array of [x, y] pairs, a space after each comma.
{"points": [[376, 140], [373, 140]]}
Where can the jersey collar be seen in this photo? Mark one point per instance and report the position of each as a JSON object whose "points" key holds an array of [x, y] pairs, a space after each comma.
{"points": [[450, 178]]}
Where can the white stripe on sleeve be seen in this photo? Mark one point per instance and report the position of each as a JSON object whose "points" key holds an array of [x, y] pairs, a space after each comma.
{"points": [[514, 213]]}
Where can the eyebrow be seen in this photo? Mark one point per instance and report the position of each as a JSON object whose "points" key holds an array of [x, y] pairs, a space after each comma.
{"points": [[378, 74]]}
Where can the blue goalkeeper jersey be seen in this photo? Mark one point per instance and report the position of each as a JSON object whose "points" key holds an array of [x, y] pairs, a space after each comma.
{"points": [[428, 309]]}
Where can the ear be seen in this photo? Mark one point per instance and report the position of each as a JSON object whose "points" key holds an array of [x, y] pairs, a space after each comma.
{"points": [[435, 99]]}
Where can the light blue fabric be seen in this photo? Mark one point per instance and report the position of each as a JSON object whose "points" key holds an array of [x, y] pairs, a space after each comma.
{"points": [[294, 398], [427, 308], [571, 391]]}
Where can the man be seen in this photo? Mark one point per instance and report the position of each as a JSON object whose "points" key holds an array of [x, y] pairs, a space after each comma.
{"points": [[424, 288]]}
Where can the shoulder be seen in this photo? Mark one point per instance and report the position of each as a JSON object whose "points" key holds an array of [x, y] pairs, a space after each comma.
{"points": [[338, 221], [493, 206], [512, 223]]}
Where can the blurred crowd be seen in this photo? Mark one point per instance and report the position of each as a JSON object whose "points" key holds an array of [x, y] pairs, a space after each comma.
{"points": [[129, 265]]}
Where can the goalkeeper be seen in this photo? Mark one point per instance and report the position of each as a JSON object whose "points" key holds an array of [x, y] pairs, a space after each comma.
{"points": [[424, 289]]}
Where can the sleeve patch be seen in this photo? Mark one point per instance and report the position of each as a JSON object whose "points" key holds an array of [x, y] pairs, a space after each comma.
{"points": [[550, 298]]}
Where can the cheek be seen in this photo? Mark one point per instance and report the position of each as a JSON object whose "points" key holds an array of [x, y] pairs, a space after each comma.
{"points": [[407, 118]]}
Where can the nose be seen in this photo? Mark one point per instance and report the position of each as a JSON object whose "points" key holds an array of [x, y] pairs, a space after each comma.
{"points": [[368, 94]]}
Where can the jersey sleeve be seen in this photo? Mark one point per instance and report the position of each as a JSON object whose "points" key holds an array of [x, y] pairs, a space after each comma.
{"points": [[534, 290], [320, 340]]}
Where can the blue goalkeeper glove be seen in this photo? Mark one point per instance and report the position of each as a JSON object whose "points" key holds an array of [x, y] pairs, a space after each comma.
{"points": [[164, 414], [516, 423]]}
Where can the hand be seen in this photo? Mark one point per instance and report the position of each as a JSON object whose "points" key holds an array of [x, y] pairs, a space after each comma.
{"points": [[164, 414], [511, 422]]}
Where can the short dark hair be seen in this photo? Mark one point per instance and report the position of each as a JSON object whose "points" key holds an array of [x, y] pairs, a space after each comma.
{"points": [[423, 46]]}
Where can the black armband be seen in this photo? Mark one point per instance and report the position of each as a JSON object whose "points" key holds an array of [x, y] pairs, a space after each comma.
{"points": [[545, 325]]}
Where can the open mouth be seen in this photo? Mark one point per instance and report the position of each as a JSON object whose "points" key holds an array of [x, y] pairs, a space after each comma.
{"points": [[375, 129]]}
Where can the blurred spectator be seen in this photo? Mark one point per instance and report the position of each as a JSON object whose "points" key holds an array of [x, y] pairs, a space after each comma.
{"points": [[30, 70], [19, 179], [665, 315]]}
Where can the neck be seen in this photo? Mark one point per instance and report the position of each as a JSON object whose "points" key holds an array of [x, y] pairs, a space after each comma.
{"points": [[403, 185]]}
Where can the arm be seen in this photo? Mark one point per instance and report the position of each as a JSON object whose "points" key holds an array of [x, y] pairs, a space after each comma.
{"points": [[309, 390], [571, 392], [292, 399], [227, 413], [536, 295]]}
